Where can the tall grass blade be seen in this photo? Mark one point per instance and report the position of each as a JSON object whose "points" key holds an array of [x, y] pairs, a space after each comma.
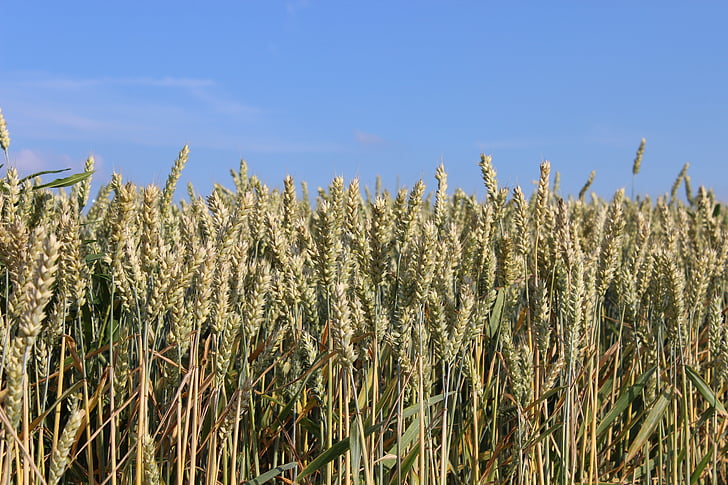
{"points": [[271, 474], [705, 390], [622, 404], [66, 181], [650, 423]]}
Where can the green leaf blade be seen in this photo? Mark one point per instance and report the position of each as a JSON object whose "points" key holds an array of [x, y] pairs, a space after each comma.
{"points": [[271, 474], [650, 423], [66, 181], [705, 390]]}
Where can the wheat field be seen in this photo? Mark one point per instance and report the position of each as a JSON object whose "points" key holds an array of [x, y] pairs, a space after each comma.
{"points": [[368, 337]]}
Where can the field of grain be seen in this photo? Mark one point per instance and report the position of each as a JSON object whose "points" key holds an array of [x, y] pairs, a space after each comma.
{"points": [[417, 337]]}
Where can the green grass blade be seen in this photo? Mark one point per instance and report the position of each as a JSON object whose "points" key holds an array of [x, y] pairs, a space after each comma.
{"points": [[336, 450], [414, 409], [66, 181], [705, 390], [496, 313], [407, 463], [411, 433], [271, 474], [288, 407], [356, 452], [44, 172], [695, 476], [406, 439], [651, 421], [39, 419], [624, 401]]}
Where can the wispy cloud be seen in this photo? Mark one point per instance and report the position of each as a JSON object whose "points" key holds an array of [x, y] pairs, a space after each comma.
{"points": [[185, 83], [367, 138], [610, 136], [145, 112], [141, 110], [206, 91], [64, 83], [222, 104], [514, 143], [295, 6], [31, 161], [284, 146], [75, 122]]}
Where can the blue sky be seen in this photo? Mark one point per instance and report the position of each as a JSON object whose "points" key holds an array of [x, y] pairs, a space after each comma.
{"points": [[317, 89]]}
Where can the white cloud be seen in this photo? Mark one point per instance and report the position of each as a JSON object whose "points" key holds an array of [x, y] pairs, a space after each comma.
{"points": [[141, 110], [28, 161], [514, 143], [156, 112], [207, 91], [31, 161], [295, 6], [185, 83], [75, 121], [610, 136], [222, 104], [65, 83], [292, 147], [367, 138]]}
